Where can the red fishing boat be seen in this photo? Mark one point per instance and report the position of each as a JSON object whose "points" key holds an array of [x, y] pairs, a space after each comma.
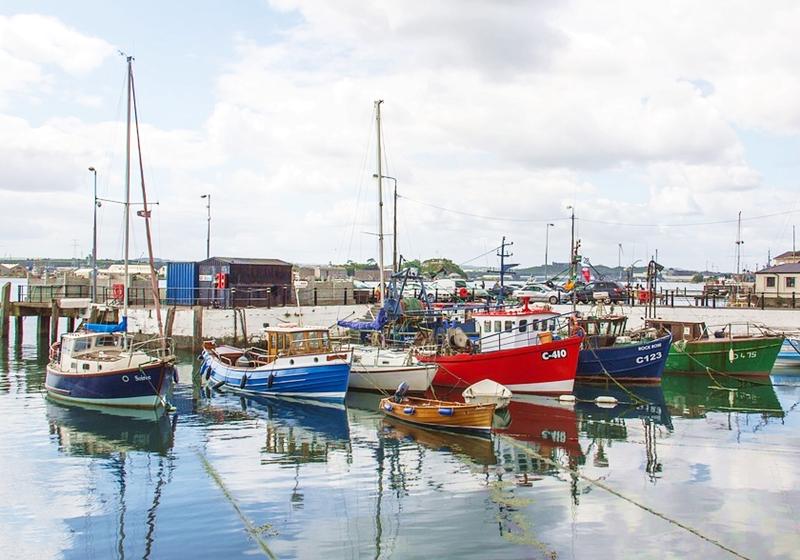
{"points": [[516, 348]]}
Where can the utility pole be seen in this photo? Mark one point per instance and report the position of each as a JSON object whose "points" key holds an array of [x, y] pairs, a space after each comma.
{"points": [[619, 259], [94, 239], [572, 271], [503, 255], [739, 244]]}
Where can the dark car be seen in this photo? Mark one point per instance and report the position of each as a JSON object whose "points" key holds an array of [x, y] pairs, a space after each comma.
{"points": [[586, 294]]}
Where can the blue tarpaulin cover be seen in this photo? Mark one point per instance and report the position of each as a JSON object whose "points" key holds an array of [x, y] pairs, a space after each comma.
{"points": [[103, 327], [375, 325]]}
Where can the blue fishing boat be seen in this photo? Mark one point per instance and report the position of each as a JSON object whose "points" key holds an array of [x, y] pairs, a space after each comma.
{"points": [[297, 362], [608, 351]]}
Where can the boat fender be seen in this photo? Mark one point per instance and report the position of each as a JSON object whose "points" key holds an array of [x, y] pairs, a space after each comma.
{"points": [[448, 411], [731, 355], [604, 399], [218, 384], [567, 398], [408, 410], [243, 382], [270, 380], [387, 407]]}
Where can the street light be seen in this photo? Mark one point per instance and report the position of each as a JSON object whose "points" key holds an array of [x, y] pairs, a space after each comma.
{"points": [[208, 231], [546, 243], [95, 204], [394, 215]]}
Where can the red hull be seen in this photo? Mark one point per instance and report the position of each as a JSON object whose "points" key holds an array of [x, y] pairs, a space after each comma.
{"points": [[541, 368]]}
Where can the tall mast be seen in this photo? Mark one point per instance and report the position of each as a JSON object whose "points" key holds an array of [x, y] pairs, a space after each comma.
{"points": [[127, 187], [572, 271], [381, 282]]}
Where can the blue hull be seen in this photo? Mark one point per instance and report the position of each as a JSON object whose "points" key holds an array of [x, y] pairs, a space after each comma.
{"points": [[789, 355], [324, 381], [630, 362], [145, 387]]}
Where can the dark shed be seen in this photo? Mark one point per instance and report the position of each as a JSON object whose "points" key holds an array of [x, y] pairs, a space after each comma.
{"points": [[243, 282]]}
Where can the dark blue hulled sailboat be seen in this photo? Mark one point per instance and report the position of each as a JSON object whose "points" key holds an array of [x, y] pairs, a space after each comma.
{"points": [[100, 364], [608, 352]]}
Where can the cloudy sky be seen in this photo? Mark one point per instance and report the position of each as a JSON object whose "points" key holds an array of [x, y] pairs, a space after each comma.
{"points": [[658, 122]]}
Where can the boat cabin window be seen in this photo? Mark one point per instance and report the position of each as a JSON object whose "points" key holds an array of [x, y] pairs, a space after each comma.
{"points": [[80, 344], [509, 325], [317, 341], [523, 325], [487, 326], [498, 326], [105, 341]]}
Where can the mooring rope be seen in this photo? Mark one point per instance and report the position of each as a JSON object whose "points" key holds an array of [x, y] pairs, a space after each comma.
{"points": [[622, 496], [248, 525]]}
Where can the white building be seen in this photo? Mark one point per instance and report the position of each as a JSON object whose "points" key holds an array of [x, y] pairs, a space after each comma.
{"points": [[780, 282]]}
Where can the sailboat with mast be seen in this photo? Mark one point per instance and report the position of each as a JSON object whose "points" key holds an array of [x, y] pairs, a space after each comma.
{"points": [[102, 364]]}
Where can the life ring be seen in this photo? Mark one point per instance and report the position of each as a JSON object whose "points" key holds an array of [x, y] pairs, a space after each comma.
{"points": [[463, 293]]}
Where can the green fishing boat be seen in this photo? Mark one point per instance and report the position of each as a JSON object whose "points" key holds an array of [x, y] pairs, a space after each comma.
{"points": [[695, 351]]}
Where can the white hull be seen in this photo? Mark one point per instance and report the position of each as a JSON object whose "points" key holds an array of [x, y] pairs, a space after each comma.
{"points": [[499, 401], [557, 387], [387, 378]]}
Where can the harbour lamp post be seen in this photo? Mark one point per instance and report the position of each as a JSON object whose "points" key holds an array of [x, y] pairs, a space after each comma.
{"points": [[394, 216], [95, 204], [546, 244], [208, 230]]}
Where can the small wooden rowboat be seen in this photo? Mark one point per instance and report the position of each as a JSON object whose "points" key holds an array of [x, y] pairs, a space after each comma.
{"points": [[440, 414], [487, 391]]}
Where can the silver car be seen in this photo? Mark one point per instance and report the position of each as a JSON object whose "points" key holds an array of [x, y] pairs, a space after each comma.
{"points": [[538, 292]]}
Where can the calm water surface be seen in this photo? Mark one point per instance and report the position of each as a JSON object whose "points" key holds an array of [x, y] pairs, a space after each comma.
{"points": [[224, 477]]}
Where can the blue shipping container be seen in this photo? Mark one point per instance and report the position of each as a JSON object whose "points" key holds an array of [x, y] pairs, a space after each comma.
{"points": [[182, 283]]}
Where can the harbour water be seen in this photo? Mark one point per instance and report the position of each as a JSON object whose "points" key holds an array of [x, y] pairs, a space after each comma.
{"points": [[700, 471]]}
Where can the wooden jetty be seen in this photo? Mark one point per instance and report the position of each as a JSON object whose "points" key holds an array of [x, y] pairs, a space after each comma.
{"points": [[48, 314]]}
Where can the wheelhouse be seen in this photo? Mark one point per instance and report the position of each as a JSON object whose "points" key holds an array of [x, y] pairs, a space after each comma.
{"points": [[297, 341]]}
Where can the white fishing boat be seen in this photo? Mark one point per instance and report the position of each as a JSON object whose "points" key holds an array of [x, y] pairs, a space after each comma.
{"points": [[488, 392], [383, 369]]}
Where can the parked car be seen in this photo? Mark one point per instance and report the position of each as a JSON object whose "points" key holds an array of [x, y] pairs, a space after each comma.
{"points": [[586, 294], [538, 292]]}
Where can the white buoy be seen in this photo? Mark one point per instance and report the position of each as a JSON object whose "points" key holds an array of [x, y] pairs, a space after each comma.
{"points": [[567, 398]]}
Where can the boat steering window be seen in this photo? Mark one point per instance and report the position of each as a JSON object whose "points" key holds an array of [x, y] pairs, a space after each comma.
{"points": [[509, 325], [80, 344], [498, 326], [487, 326], [523, 325]]}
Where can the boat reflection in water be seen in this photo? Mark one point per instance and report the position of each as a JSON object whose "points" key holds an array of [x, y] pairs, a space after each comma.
{"points": [[297, 431], [102, 431], [693, 396], [474, 448], [130, 499]]}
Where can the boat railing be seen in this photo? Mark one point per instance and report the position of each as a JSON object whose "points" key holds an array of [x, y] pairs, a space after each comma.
{"points": [[160, 347]]}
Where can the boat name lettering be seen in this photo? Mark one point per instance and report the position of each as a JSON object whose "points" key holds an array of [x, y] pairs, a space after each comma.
{"points": [[142, 377], [649, 347], [654, 357], [745, 355], [555, 354]]}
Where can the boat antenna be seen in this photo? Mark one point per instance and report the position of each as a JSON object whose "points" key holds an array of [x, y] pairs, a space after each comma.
{"points": [[739, 244], [145, 213], [502, 254]]}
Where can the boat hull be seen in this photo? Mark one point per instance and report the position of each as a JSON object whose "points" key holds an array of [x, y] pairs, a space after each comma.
{"points": [[387, 378], [146, 386], [540, 368], [751, 356], [467, 418], [789, 355], [325, 379], [636, 363]]}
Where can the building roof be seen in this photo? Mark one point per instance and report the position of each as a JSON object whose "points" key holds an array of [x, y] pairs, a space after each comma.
{"points": [[790, 268], [788, 254], [237, 260]]}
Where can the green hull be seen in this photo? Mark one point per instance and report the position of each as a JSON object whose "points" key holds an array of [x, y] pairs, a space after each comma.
{"points": [[751, 356]]}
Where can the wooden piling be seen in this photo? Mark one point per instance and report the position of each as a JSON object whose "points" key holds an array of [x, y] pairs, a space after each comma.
{"points": [[55, 315], [70, 323], [19, 320], [5, 310], [43, 326], [197, 327], [170, 321]]}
